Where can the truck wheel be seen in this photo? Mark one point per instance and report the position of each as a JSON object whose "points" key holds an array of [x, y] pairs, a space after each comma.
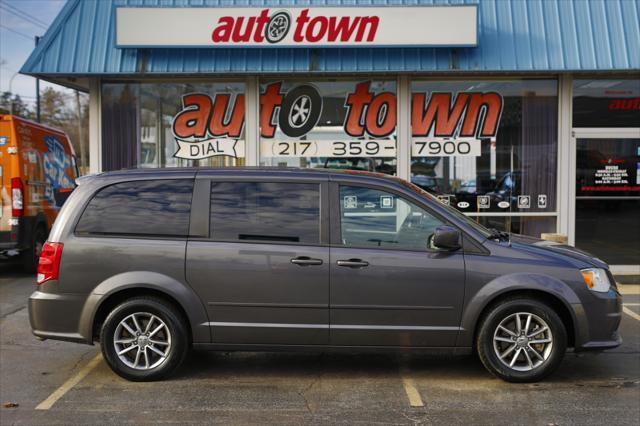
{"points": [[521, 340], [144, 339], [31, 256]]}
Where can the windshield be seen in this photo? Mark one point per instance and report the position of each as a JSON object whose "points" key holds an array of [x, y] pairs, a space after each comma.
{"points": [[464, 218]]}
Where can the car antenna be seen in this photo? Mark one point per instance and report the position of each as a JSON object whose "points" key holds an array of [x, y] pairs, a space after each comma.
{"points": [[513, 183]]}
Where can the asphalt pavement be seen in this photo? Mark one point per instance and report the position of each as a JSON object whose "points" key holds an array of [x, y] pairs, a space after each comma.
{"points": [[64, 383]]}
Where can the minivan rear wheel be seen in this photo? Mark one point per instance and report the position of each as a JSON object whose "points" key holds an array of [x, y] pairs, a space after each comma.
{"points": [[521, 340], [144, 339]]}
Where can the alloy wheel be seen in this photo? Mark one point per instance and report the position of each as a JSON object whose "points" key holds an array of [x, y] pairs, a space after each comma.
{"points": [[142, 341], [523, 341]]}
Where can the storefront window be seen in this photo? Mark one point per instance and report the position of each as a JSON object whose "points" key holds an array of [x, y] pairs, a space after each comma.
{"points": [[329, 124], [606, 103], [172, 124], [527, 225], [608, 198], [488, 147]]}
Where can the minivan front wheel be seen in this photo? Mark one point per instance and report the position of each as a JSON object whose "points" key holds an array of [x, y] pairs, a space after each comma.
{"points": [[144, 339], [521, 340]]}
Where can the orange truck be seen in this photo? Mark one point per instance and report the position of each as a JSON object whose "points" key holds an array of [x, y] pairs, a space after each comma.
{"points": [[37, 168]]}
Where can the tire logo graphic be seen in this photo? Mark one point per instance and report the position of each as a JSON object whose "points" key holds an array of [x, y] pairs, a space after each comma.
{"points": [[300, 110], [278, 27]]}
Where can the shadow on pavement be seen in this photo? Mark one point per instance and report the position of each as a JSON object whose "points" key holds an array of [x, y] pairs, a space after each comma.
{"points": [[207, 364], [10, 270], [287, 365]]}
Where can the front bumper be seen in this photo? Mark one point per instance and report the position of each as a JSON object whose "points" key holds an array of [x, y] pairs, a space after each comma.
{"points": [[599, 318], [56, 316], [601, 345]]}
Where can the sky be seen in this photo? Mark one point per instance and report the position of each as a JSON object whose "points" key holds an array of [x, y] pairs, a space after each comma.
{"points": [[20, 22]]}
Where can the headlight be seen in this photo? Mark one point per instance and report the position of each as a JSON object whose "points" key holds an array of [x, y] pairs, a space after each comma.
{"points": [[596, 279]]}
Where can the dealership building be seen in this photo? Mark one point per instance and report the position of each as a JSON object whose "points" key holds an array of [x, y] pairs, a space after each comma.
{"points": [[522, 114]]}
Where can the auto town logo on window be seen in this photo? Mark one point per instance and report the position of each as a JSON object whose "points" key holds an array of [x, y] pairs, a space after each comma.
{"points": [[443, 124], [209, 126]]}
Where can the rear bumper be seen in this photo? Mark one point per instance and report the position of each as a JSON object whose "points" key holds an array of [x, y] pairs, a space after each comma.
{"points": [[19, 238], [56, 316], [9, 246]]}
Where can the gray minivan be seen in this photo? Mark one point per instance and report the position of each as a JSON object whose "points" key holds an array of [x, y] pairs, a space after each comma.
{"points": [[153, 262]]}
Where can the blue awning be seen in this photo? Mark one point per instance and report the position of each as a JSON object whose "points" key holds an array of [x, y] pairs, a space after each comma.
{"points": [[514, 36]]}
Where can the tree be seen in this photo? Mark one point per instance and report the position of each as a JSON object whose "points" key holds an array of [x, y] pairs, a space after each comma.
{"points": [[54, 109], [13, 103], [66, 112]]}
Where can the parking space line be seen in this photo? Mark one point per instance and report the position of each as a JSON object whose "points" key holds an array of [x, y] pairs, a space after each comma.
{"points": [[629, 289], [66, 386], [415, 400], [631, 313]]}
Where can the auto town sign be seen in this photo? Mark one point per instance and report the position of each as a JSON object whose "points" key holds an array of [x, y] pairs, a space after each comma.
{"points": [[296, 26]]}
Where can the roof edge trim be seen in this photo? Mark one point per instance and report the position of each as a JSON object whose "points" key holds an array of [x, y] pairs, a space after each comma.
{"points": [[48, 37]]}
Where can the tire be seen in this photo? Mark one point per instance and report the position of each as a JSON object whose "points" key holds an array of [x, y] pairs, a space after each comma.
{"points": [[550, 345], [140, 310], [31, 256]]}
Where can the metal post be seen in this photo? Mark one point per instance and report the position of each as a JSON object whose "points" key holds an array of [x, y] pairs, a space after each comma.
{"points": [[38, 100], [403, 128], [37, 38], [83, 158], [565, 198], [95, 130], [252, 117]]}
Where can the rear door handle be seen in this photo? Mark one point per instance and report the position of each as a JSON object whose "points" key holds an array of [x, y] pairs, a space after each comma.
{"points": [[305, 261], [353, 263]]}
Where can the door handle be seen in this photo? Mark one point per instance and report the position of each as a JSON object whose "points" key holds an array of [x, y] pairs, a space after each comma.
{"points": [[353, 263], [305, 261]]}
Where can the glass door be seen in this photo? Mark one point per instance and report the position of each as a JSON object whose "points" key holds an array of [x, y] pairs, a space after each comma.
{"points": [[607, 202]]}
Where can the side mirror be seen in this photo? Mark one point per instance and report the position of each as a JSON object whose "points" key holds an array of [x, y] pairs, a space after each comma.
{"points": [[447, 238]]}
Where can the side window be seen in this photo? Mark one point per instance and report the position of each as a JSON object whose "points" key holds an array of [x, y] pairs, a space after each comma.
{"points": [[265, 211], [146, 207], [373, 218]]}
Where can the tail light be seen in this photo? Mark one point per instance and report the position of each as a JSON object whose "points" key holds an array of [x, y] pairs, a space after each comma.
{"points": [[17, 197], [49, 263]]}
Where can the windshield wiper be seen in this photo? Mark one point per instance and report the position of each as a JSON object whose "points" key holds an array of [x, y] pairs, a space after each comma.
{"points": [[498, 235]]}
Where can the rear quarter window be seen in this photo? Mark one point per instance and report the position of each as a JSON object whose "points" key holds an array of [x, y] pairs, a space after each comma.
{"points": [[265, 212], [139, 208]]}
